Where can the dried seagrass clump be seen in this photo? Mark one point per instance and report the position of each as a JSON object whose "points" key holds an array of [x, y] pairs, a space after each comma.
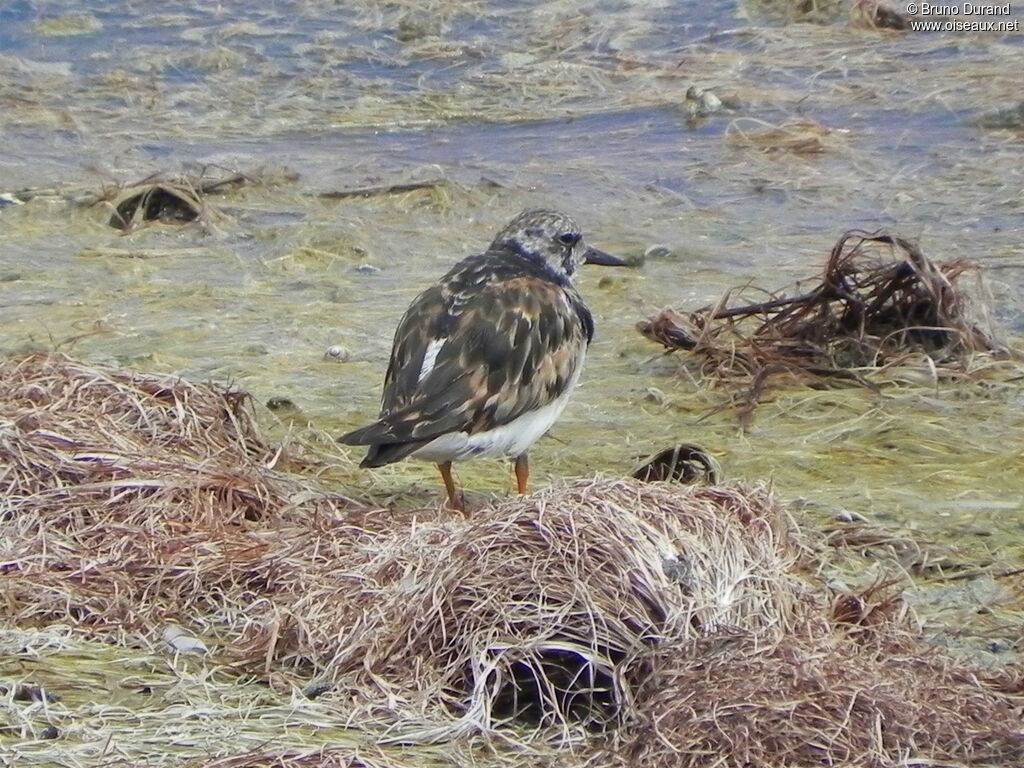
{"points": [[128, 499], [164, 199], [545, 610], [880, 302], [828, 694]]}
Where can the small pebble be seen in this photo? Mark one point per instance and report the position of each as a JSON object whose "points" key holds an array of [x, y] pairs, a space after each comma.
{"points": [[338, 352], [679, 571], [701, 102], [49, 732], [655, 395], [997, 646], [316, 688], [846, 516], [181, 640], [279, 404], [24, 692], [658, 252], [367, 269]]}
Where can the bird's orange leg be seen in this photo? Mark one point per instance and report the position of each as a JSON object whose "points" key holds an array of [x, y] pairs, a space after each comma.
{"points": [[455, 500], [522, 473]]}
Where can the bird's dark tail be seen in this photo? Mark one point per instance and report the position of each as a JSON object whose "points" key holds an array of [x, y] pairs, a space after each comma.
{"points": [[380, 453], [388, 453]]}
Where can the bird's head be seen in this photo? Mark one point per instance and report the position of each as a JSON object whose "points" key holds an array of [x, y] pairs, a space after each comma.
{"points": [[553, 238]]}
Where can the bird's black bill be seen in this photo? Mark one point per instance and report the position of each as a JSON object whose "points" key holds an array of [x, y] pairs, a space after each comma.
{"points": [[594, 256]]}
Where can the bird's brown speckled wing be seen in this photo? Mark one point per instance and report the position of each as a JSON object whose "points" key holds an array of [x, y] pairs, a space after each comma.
{"points": [[512, 344]]}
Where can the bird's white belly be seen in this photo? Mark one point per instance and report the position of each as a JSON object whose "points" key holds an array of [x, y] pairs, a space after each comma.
{"points": [[512, 439]]}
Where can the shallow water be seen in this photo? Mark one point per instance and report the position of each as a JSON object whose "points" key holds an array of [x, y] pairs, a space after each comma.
{"points": [[578, 105]]}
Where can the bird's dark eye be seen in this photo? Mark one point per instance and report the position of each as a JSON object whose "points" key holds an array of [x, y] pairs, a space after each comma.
{"points": [[569, 238]]}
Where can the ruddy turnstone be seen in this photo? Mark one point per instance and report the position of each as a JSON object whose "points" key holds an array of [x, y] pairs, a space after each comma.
{"points": [[485, 361]]}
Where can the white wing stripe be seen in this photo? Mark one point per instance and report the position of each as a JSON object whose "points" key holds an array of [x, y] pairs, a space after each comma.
{"points": [[430, 357]]}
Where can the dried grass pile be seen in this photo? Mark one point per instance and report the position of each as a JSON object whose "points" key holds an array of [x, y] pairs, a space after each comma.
{"points": [[123, 498], [545, 611], [671, 620], [880, 302], [823, 697]]}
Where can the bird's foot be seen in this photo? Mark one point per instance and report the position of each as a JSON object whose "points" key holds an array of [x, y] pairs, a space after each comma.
{"points": [[457, 503]]}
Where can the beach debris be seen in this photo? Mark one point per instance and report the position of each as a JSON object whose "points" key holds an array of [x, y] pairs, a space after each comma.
{"points": [[873, 14], [104, 252], [168, 202], [659, 251], [180, 640], [683, 463], [317, 688], [281, 403], [7, 199], [798, 137], [1009, 118], [879, 302], [179, 199], [29, 692], [379, 190], [339, 353]]}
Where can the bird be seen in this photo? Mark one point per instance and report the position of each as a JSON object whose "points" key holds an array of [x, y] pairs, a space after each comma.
{"points": [[484, 361]]}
